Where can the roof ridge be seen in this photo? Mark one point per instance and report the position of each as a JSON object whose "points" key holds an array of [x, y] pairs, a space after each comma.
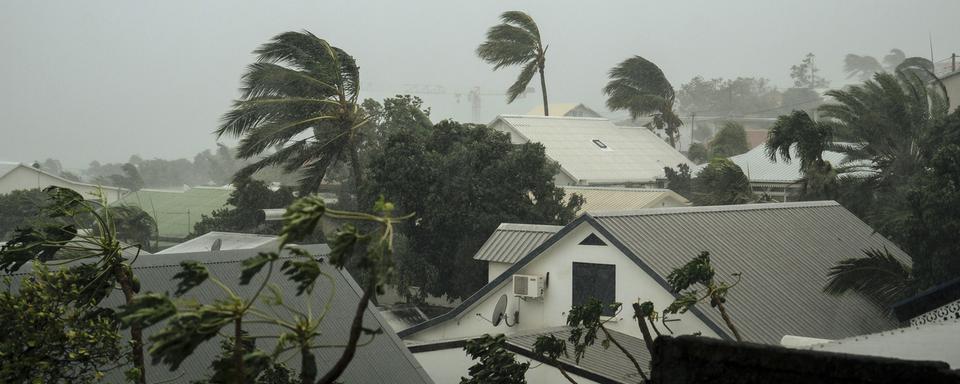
{"points": [[524, 227], [625, 189], [555, 117], [714, 208]]}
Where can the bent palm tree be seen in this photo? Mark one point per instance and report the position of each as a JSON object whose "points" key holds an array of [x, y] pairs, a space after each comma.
{"points": [[639, 86], [300, 96], [880, 277], [516, 41]]}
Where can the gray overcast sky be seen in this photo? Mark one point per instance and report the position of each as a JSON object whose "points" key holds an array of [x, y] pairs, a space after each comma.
{"points": [[102, 80]]}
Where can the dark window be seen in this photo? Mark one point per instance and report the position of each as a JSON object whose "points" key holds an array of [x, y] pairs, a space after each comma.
{"points": [[593, 239], [595, 281]]}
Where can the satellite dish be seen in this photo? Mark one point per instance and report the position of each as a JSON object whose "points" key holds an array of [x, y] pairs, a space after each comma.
{"points": [[216, 245], [498, 310]]}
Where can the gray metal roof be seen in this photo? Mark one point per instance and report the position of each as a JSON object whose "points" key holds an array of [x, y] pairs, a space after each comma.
{"points": [[784, 252], [609, 363], [632, 155], [619, 199], [228, 241], [385, 359], [509, 242], [760, 169]]}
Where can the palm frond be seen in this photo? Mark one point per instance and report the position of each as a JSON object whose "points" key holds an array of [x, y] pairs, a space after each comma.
{"points": [[523, 20], [879, 277], [520, 86]]}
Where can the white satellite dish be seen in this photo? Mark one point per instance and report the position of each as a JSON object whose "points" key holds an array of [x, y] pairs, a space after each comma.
{"points": [[498, 310]]}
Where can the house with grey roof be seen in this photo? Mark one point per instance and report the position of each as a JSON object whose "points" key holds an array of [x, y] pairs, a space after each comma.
{"points": [[624, 199], [17, 176], [565, 109], [594, 151], [781, 251], [382, 359]]}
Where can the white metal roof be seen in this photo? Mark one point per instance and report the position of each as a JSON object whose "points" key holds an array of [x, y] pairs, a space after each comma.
{"points": [[760, 169], [631, 154], [619, 199], [935, 341], [228, 241]]}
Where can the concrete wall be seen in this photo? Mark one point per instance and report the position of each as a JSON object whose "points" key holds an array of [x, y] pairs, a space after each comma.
{"points": [[551, 310], [449, 365], [24, 177], [494, 269]]}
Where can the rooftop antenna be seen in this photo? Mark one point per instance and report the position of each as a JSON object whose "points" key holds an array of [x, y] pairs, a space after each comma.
{"points": [[930, 36]]}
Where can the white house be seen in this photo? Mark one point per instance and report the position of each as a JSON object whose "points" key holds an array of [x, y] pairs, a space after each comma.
{"points": [[224, 241], [17, 176], [594, 151], [783, 252], [565, 109]]}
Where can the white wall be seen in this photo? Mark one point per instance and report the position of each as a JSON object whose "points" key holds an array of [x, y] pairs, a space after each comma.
{"points": [[952, 84], [449, 365], [494, 269], [551, 310], [24, 177]]}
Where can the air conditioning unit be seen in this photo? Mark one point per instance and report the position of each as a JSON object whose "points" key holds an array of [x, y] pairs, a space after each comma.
{"points": [[528, 286]]}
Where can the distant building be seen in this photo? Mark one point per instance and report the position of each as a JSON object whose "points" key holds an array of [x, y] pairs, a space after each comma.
{"points": [[17, 176], [779, 179], [783, 252], [952, 82], [624, 199], [593, 151], [565, 110]]}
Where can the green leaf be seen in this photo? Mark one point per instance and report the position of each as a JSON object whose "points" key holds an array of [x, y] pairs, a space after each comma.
{"points": [[146, 310], [192, 275], [184, 332], [342, 244], [304, 272], [301, 218], [253, 265]]}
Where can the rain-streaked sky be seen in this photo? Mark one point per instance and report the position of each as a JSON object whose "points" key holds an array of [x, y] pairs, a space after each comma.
{"points": [[103, 80]]}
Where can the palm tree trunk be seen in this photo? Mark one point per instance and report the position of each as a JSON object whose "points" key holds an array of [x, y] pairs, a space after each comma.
{"points": [[238, 350], [565, 374], [543, 87], [642, 323]]}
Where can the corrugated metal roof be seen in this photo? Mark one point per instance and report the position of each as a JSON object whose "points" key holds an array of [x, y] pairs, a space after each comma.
{"points": [[509, 242], [760, 169], [632, 155], [228, 241], [607, 362], [619, 199], [384, 360], [784, 252], [935, 341]]}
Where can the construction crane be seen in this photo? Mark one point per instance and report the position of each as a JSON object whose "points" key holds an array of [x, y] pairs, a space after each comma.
{"points": [[473, 95]]}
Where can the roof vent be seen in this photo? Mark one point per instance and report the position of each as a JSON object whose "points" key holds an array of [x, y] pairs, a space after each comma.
{"points": [[592, 240], [603, 146]]}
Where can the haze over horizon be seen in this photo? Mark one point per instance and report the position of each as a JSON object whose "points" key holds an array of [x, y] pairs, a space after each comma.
{"points": [[106, 80]]}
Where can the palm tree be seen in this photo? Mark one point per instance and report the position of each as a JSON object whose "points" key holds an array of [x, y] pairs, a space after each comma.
{"points": [[797, 135], [300, 97], [879, 276], [516, 41], [639, 86]]}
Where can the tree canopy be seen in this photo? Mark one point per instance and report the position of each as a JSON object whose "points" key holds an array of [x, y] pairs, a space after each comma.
{"points": [[462, 181]]}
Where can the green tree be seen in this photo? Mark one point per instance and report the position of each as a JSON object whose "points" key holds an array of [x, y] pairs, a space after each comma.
{"points": [[516, 41], [130, 179], [680, 180], [861, 67], [640, 87], [804, 75], [699, 272], [19, 208], [191, 324], [728, 97], [106, 266], [495, 364], [798, 135], [721, 182], [551, 348], [586, 321], [301, 94], [463, 181], [697, 153], [245, 209], [50, 335], [133, 225], [730, 140]]}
